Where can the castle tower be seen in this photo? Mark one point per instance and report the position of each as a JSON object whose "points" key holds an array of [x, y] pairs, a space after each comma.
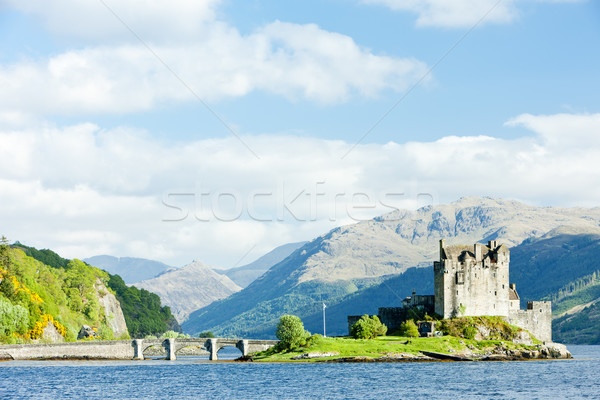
{"points": [[472, 280]]}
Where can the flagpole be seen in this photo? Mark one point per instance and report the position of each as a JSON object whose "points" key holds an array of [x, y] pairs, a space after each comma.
{"points": [[324, 332]]}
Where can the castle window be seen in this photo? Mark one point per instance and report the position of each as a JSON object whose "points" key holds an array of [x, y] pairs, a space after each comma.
{"points": [[460, 278], [495, 294]]}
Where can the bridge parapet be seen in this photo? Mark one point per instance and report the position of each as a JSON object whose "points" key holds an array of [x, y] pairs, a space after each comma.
{"points": [[129, 349]]}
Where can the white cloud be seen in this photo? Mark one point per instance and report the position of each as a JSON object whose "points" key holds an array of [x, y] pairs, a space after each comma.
{"points": [[459, 13], [156, 20], [295, 61], [562, 130], [83, 190]]}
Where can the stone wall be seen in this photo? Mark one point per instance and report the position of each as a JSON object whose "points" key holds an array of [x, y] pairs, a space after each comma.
{"points": [[352, 319], [96, 350], [537, 319], [392, 317]]}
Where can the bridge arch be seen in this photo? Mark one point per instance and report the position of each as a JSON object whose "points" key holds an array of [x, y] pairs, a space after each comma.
{"points": [[211, 345]]}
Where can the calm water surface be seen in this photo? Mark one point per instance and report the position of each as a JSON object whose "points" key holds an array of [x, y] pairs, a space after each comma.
{"points": [[193, 379]]}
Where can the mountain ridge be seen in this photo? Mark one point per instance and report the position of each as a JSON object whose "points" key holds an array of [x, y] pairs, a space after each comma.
{"points": [[351, 258], [188, 288]]}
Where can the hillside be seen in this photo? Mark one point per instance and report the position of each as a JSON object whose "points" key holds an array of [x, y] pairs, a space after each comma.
{"points": [[582, 327], [129, 268], [41, 302], [246, 274], [338, 266], [189, 288], [141, 310], [542, 267]]}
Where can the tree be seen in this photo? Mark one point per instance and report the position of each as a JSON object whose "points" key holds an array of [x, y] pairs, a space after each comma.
{"points": [[409, 329], [290, 332], [13, 318], [4, 247], [368, 327], [206, 334]]}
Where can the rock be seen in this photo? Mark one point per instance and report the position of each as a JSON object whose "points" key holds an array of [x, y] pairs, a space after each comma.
{"points": [[523, 337], [86, 332], [307, 356], [50, 334], [112, 310], [556, 350]]}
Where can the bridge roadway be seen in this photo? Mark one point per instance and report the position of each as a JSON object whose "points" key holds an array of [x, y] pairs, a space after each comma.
{"points": [[127, 349]]}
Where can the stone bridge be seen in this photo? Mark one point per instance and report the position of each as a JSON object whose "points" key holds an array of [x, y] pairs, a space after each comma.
{"points": [[127, 349]]}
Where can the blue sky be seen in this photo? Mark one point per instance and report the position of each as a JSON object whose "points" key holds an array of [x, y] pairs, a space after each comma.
{"points": [[185, 129]]}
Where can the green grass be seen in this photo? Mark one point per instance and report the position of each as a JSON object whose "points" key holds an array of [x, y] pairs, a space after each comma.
{"points": [[382, 346]]}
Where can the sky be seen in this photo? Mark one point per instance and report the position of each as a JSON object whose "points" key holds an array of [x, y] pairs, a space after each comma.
{"points": [[216, 130]]}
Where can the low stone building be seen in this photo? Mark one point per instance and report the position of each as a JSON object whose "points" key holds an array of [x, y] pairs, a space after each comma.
{"points": [[474, 281]]}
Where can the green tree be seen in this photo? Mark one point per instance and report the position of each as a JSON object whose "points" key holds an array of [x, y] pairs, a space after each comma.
{"points": [[206, 334], [4, 251], [290, 332], [13, 318], [409, 329], [368, 327]]}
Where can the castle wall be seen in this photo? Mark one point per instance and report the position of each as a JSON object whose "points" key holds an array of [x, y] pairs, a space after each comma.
{"points": [[537, 319], [392, 317], [476, 285]]}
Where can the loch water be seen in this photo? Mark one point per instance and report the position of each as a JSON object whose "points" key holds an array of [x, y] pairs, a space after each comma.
{"points": [[192, 378]]}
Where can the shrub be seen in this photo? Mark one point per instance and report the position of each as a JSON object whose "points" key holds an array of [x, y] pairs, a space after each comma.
{"points": [[173, 335], [409, 329], [13, 318], [469, 332], [314, 340], [368, 327], [206, 334], [290, 332]]}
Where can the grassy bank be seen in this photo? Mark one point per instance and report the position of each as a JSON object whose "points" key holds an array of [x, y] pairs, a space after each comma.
{"points": [[386, 346]]}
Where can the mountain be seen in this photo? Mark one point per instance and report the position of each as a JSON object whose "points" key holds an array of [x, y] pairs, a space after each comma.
{"points": [[335, 267], [563, 267], [129, 268], [189, 288], [246, 274]]}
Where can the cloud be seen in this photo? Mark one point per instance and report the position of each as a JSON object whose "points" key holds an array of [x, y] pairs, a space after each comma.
{"points": [[291, 60], [84, 190], [459, 13], [94, 20], [562, 130]]}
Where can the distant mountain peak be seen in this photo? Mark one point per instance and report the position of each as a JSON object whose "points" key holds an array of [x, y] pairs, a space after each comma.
{"points": [[188, 288]]}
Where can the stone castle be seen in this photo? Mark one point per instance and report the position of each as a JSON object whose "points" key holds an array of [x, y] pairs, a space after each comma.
{"points": [[474, 281]]}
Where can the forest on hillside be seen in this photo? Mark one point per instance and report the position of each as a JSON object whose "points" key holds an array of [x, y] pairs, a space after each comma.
{"points": [[39, 288]]}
